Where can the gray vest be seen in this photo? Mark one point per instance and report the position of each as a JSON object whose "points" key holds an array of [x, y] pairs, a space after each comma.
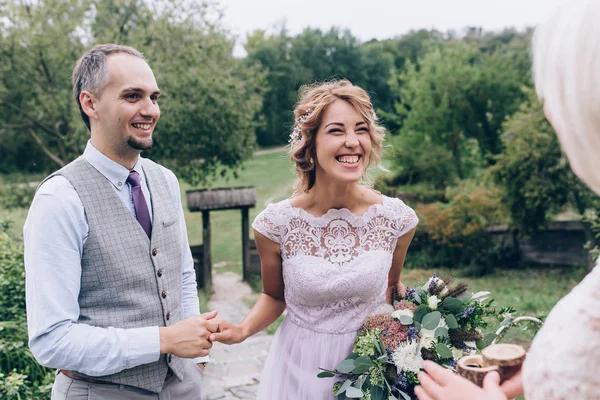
{"points": [[128, 280]]}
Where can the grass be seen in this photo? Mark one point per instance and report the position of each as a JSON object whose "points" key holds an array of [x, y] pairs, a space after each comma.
{"points": [[531, 291]]}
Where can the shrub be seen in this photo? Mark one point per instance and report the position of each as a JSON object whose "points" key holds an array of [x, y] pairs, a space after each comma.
{"points": [[456, 231], [21, 377]]}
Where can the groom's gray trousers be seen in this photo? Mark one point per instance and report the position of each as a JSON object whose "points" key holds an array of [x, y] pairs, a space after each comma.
{"points": [[190, 387]]}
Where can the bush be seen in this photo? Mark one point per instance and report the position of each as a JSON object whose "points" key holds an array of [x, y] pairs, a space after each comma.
{"points": [[17, 190], [21, 377], [456, 233]]}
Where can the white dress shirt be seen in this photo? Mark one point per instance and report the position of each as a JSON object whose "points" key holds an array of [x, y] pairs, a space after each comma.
{"points": [[55, 232]]}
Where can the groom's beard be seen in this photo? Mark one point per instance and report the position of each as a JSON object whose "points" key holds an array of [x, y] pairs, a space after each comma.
{"points": [[140, 144]]}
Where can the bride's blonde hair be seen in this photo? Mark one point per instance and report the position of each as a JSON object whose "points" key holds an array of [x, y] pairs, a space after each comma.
{"points": [[308, 112], [566, 68]]}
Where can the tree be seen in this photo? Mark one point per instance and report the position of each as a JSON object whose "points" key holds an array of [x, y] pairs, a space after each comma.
{"points": [[452, 105], [211, 99], [534, 174]]}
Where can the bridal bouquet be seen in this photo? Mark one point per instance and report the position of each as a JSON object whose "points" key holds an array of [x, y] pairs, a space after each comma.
{"points": [[435, 322]]}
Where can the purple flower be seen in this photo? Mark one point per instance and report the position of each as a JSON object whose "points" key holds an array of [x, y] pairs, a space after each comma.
{"points": [[411, 294], [433, 283], [401, 382], [468, 311], [389, 353], [412, 333], [452, 365]]}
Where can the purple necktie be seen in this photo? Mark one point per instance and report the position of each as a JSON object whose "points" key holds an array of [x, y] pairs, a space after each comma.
{"points": [[139, 201]]}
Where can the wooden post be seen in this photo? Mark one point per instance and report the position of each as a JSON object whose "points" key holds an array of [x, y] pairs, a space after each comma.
{"points": [[207, 265], [245, 244]]}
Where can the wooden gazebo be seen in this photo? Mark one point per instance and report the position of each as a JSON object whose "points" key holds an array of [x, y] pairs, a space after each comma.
{"points": [[207, 200]]}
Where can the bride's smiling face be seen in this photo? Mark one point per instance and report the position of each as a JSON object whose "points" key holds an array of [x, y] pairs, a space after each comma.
{"points": [[343, 143]]}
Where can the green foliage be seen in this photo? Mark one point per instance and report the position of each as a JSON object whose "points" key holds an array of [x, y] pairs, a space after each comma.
{"points": [[211, 99], [20, 374], [534, 174], [455, 231], [452, 103]]}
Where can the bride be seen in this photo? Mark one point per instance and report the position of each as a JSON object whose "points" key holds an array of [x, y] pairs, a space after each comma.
{"points": [[329, 254]]}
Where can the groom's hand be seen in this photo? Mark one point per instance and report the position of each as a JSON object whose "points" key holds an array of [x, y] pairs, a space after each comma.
{"points": [[227, 333], [189, 338]]}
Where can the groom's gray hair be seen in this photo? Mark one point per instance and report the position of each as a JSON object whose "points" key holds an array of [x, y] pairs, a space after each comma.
{"points": [[90, 71]]}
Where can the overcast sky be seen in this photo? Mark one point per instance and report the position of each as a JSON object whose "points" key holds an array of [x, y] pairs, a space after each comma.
{"points": [[382, 19]]}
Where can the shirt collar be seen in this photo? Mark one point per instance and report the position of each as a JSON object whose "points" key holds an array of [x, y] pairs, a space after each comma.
{"points": [[114, 172]]}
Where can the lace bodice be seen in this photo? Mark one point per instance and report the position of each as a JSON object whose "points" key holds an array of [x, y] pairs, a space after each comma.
{"points": [[564, 359], [335, 267]]}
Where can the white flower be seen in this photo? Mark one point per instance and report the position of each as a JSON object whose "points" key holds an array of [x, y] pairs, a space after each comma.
{"points": [[442, 323], [481, 296], [407, 357], [402, 313], [472, 347], [433, 302], [427, 338], [384, 309], [457, 354]]}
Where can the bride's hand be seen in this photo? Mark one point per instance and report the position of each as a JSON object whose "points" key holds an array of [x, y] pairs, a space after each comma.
{"points": [[227, 333], [438, 383]]}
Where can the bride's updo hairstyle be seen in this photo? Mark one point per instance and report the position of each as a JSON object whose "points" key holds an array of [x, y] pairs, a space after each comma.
{"points": [[308, 113], [566, 69]]}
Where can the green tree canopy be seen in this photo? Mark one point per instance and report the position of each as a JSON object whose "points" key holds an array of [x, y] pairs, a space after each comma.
{"points": [[211, 99]]}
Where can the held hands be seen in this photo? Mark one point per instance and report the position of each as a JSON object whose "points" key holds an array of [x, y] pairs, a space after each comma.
{"points": [[438, 383], [228, 333], [189, 338]]}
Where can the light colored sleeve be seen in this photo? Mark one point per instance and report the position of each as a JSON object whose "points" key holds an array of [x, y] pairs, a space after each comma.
{"points": [[406, 217], [189, 287], [54, 235], [268, 223]]}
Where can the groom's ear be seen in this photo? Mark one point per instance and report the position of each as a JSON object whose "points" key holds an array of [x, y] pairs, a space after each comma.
{"points": [[88, 104]]}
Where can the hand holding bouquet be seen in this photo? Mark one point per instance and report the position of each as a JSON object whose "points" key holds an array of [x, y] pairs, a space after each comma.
{"points": [[434, 322]]}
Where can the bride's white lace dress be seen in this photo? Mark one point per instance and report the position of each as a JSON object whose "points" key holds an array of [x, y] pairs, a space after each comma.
{"points": [[335, 271], [564, 359]]}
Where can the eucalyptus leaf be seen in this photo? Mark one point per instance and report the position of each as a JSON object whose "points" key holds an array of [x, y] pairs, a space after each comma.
{"points": [[361, 369], [418, 326], [360, 382], [406, 320], [405, 396], [480, 345], [346, 366], [441, 332], [376, 342], [451, 321], [420, 313], [326, 374], [377, 393], [452, 304], [431, 320], [443, 350], [489, 338], [344, 386], [354, 393]]}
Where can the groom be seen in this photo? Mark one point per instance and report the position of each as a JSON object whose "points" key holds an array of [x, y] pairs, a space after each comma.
{"points": [[110, 286]]}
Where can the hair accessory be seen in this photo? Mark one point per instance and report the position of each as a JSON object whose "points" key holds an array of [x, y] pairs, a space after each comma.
{"points": [[297, 131]]}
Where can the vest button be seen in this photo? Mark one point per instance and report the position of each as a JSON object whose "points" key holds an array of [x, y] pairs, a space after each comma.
{"points": [[154, 251], [159, 273], [164, 294], [168, 316]]}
